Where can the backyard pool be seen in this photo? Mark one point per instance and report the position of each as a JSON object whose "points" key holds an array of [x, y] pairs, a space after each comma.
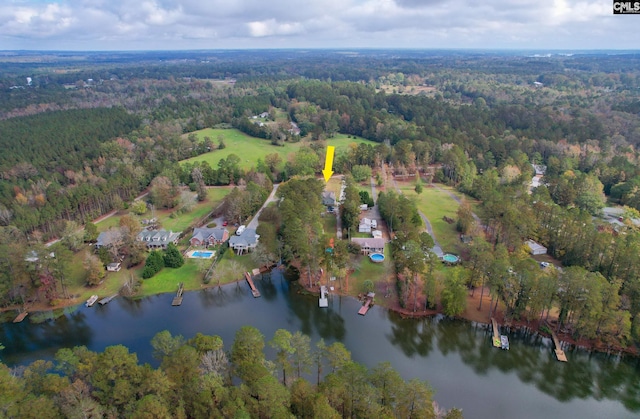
{"points": [[376, 257], [202, 254], [449, 258]]}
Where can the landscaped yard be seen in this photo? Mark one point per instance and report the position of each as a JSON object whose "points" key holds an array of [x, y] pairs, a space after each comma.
{"points": [[376, 272], [167, 279], [250, 149]]}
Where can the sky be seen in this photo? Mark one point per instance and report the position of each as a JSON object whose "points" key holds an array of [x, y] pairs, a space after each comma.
{"points": [[232, 24]]}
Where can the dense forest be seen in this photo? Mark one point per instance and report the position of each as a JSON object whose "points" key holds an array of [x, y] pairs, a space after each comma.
{"points": [[81, 142], [196, 378]]}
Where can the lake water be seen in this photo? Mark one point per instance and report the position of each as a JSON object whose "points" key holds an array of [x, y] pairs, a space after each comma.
{"points": [[455, 357]]}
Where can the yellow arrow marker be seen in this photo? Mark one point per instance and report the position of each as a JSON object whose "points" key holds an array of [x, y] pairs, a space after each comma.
{"points": [[328, 163]]}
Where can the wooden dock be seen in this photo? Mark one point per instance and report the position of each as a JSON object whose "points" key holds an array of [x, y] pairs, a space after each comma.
{"points": [[324, 302], [254, 290], [559, 352], [21, 317], [107, 299], [368, 302], [496, 334], [177, 300]]}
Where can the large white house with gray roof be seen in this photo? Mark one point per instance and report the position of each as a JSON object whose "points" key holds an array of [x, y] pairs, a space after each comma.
{"points": [[245, 242], [158, 239]]}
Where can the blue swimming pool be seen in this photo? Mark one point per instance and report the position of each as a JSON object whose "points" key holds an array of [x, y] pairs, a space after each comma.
{"points": [[449, 258], [202, 254], [376, 257]]}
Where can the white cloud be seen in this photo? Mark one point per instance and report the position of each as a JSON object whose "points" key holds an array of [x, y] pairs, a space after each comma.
{"points": [[175, 24]]}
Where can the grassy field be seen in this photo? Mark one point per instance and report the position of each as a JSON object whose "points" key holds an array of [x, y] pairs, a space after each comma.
{"points": [[250, 149], [215, 195], [436, 204]]}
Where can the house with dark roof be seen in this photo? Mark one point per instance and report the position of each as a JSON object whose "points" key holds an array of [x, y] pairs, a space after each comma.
{"points": [[209, 236], [245, 242], [328, 198], [158, 239]]}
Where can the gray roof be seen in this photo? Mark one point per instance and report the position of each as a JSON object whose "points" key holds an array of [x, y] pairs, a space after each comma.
{"points": [[246, 239], [371, 243], [204, 233], [161, 236], [328, 198]]}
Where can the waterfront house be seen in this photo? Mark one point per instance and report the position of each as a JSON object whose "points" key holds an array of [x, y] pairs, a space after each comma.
{"points": [[158, 239], [369, 245], [245, 242], [209, 236]]}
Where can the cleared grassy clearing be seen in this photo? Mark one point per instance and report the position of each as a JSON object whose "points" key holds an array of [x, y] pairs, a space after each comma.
{"points": [[215, 195], [329, 224], [436, 204], [250, 149]]}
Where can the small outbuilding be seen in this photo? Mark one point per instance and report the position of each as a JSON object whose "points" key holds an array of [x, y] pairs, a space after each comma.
{"points": [[114, 267], [536, 248]]}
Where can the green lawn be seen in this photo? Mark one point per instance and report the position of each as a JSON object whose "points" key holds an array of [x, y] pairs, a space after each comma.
{"points": [[215, 195], [167, 279], [183, 221], [436, 204], [250, 149], [376, 272], [244, 261], [329, 224]]}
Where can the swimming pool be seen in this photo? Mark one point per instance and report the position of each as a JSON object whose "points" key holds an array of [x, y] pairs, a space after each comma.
{"points": [[449, 258], [376, 257], [202, 254]]}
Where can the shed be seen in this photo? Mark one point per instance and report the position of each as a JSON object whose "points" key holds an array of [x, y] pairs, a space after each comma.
{"points": [[536, 248]]}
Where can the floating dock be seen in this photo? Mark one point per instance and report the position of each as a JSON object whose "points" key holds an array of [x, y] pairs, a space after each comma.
{"points": [[368, 302], [254, 290], [107, 299], [177, 300], [21, 317], [324, 302], [559, 352]]}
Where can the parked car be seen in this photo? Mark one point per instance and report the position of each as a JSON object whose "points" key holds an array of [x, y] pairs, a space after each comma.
{"points": [[224, 223]]}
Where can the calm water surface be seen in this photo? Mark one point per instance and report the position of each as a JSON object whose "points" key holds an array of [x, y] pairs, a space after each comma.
{"points": [[455, 357]]}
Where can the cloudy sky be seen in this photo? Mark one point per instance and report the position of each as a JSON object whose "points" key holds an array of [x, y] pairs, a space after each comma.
{"points": [[215, 24]]}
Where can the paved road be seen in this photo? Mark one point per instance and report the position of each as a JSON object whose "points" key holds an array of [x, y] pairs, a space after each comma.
{"points": [[272, 197]]}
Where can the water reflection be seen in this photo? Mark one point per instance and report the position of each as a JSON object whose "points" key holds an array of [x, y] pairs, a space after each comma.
{"points": [[455, 356]]}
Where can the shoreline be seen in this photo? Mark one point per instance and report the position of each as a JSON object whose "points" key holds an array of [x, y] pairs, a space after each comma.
{"points": [[470, 314]]}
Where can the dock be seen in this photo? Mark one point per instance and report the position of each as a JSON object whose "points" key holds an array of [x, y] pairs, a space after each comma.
{"points": [[254, 290], [324, 302], [368, 302], [21, 317], [107, 299], [559, 352], [177, 300], [496, 334]]}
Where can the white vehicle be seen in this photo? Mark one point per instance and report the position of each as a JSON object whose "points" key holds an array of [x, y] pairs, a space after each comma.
{"points": [[240, 230]]}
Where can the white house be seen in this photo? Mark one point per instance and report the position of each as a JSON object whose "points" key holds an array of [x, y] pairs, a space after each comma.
{"points": [[245, 242], [365, 226], [369, 245]]}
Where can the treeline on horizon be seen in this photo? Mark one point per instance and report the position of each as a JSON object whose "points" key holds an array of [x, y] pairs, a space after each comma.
{"points": [[197, 378]]}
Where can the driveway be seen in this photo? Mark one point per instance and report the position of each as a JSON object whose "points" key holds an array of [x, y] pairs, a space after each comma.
{"points": [[272, 197]]}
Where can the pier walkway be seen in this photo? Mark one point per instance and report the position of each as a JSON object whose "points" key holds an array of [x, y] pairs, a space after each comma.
{"points": [[177, 300], [254, 290]]}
